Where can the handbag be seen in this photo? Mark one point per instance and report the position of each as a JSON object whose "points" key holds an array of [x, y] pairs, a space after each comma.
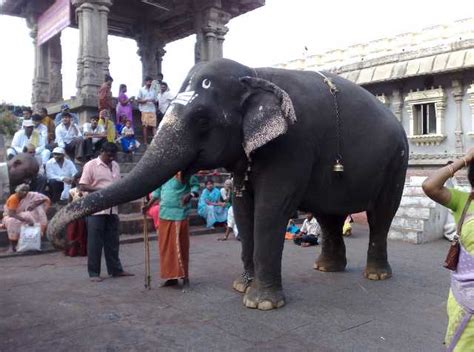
{"points": [[452, 258], [30, 238]]}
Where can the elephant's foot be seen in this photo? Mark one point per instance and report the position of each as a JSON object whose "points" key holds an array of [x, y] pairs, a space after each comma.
{"points": [[330, 264], [242, 283], [377, 271], [264, 299]]}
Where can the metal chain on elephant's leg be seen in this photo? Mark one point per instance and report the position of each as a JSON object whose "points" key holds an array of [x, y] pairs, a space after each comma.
{"points": [[243, 282]]}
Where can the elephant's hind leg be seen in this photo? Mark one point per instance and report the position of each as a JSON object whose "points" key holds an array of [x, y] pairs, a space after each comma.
{"points": [[380, 218], [333, 251]]}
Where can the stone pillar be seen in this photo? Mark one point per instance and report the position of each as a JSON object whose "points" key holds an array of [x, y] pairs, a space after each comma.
{"points": [[397, 104], [40, 92], [55, 63], [151, 50], [458, 96], [210, 33], [93, 59]]}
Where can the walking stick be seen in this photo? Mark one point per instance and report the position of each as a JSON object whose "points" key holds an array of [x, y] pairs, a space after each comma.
{"points": [[147, 251]]}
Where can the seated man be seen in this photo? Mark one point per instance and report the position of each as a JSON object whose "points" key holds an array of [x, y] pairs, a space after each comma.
{"points": [[49, 123], [69, 137], [309, 232], [59, 116], [28, 135], [60, 173], [94, 136], [42, 129]]}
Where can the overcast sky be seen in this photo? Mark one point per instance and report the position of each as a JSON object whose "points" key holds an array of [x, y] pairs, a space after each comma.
{"points": [[277, 32]]}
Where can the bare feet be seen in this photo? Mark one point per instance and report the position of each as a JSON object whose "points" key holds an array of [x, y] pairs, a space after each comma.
{"points": [[222, 239], [170, 282], [96, 279], [185, 285]]}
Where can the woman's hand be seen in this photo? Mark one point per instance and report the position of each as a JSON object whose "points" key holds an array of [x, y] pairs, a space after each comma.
{"points": [[469, 155]]}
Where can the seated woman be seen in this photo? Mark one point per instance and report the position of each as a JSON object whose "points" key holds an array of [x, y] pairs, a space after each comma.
{"points": [[210, 206], [24, 208]]}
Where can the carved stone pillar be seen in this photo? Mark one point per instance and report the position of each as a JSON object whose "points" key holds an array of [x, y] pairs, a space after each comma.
{"points": [[151, 50], [210, 33], [458, 132], [397, 104], [40, 91], [55, 63], [93, 59], [470, 99]]}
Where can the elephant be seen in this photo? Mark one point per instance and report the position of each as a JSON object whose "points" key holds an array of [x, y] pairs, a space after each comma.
{"points": [[279, 132]]}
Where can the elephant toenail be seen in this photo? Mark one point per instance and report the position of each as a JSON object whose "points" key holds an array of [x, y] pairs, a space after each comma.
{"points": [[265, 305]]}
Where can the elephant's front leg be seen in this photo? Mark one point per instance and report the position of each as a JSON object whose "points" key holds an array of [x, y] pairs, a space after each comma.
{"points": [[243, 212], [333, 251], [266, 291]]}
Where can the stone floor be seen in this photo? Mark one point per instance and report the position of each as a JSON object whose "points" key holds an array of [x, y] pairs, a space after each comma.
{"points": [[48, 304]]}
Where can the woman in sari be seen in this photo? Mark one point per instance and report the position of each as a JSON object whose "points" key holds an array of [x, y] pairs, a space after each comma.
{"points": [[24, 208], [109, 126], [460, 332], [174, 198], [210, 206], [124, 105]]}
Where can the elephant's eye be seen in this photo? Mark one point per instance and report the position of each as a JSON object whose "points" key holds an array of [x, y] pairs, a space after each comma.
{"points": [[206, 83]]}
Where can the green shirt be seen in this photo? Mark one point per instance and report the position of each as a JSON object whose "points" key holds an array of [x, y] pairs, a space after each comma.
{"points": [[456, 204], [170, 195]]}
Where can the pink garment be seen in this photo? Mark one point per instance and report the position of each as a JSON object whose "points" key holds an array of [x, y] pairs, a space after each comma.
{"points": [[123, 109], [154, 213], [97, 174], [37, 215]]}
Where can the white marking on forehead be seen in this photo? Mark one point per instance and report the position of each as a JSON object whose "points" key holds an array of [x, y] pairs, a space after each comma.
{"points": [[183, 98]]}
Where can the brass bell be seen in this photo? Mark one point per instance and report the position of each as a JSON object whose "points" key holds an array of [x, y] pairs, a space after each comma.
{"points": [[338, 167]]}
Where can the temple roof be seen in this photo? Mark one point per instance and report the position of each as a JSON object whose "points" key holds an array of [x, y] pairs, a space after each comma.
{"points": [[174, 18], [438, 49]]}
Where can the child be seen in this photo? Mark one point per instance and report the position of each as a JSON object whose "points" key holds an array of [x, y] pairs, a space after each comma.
{"points": [[129, 143], [291, 230]]}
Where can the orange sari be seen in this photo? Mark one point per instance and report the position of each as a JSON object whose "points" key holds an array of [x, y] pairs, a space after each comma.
{"points": [[173, 245]]}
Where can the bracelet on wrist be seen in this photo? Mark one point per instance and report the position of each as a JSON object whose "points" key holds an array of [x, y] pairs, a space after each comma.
{"points": [[451, 169]]}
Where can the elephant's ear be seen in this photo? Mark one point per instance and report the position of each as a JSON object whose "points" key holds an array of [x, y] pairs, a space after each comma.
{"points": [[268, 111]]}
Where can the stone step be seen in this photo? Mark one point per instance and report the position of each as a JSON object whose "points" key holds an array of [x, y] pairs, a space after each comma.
{"points": [[411, 236], [415, 201], [408, 224], [414, 212]]}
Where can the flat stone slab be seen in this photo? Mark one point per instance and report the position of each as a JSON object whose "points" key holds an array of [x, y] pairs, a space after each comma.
{"points": [[48, 303]]}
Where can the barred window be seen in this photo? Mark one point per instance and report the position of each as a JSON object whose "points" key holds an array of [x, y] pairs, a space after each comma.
{"points": [[425, 118]]}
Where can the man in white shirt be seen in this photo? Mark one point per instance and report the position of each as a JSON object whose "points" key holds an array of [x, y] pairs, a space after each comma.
{"points": [[309, 232], [28, 135], [147, 98], [94, 136], [60, 173], [69, 137], [59, 116], [164, 99]]}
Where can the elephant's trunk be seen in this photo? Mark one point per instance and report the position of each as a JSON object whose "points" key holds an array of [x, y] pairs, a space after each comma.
{"points": [[169, 152]]}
